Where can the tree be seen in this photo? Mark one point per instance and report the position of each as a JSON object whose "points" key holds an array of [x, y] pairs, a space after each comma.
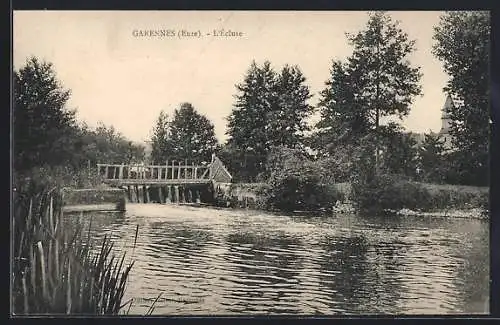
{"points": [[463, 46], [247, 125], [288, 118], [399, 151], [44, 128], [270, 110], [160, 140], [431, 158], [376, 81], [192, 135]]}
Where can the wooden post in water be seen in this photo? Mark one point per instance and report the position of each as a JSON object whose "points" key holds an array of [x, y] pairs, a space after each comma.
{"points": [[176, 194], [129, 194], [168, 197], [198, 196], [160, 195], [190, 196], [115, 174], [140, 195], [146, 189]]}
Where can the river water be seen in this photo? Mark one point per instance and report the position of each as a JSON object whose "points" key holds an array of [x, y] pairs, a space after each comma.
{"points": [[208, 261]]}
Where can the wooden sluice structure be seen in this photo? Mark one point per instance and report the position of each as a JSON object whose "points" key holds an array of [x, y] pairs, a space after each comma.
{"points": [[174, 182]]}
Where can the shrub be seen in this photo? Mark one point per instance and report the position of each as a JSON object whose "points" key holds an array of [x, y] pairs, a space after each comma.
{"points": [[296, 183], [393, 192], [389, 192]]}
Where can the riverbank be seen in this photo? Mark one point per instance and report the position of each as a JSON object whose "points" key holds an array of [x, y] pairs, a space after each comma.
{"points": [[440, 200]]}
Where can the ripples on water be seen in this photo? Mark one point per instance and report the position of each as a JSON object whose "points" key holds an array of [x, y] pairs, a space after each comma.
{"points": [[209, 261]]}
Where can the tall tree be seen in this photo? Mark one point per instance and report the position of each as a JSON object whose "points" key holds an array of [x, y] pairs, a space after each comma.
{"points": [[192, 135], [463, 46], [376, 81], [248, 128], [44, 128], [288, 117], [160, 140]]}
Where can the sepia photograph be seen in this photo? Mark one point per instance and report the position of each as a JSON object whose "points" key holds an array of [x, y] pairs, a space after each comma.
{"points": [[246, 163]]}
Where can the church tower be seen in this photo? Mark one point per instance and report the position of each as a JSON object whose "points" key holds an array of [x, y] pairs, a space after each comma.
{"points": [[446, 122]]}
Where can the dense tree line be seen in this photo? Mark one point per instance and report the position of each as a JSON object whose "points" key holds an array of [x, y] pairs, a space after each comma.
{"points": [[47, 134], [271, 111], [188, 136]]}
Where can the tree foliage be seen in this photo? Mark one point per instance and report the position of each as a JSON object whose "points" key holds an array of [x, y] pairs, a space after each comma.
{"points": [[188, 136], [43, 124], [49, 145], [271, 109], [463, 46], [160, 139], [375, 82], [431, 159]]}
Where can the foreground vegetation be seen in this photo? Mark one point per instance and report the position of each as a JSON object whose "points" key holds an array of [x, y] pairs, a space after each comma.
{"points": [[56, 268]]}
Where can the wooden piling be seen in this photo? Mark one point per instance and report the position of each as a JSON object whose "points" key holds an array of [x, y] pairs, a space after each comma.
{"points": [[176, 194], [190, 196], [168, 196], [160, 195], [146, 189], [140, 195]]}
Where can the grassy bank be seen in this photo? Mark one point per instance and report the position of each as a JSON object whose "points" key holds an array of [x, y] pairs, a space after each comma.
{"points": [[56, 270], [387, 193], [392, 193]]}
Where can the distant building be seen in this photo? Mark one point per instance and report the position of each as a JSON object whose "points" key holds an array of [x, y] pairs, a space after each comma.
{"points": [[446, 122]]}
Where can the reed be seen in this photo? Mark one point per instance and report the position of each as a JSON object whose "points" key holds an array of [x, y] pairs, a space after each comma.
{"points": [[56, 269]]}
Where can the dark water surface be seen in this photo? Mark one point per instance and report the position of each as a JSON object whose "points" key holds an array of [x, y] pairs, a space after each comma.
{"points": [[209, 261]]}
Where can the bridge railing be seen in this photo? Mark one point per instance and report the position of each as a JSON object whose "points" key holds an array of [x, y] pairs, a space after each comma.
{"points": [[170, 171], [149, 172]]}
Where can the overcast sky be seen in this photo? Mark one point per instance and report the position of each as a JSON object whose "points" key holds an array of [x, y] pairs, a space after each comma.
{"points": [[125, 81]]}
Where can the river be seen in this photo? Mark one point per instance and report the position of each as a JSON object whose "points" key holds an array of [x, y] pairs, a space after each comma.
{"points": [[208, 261]]}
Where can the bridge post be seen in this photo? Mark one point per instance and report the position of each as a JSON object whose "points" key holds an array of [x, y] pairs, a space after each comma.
{"points": [[168, 198], [173, 170], [146, 189], [179, 173], [176, 193], [106, 172], [120, 174], [160, 194]]}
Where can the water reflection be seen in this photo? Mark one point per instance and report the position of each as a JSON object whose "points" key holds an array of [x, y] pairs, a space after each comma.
{"points": [[207, 261]]}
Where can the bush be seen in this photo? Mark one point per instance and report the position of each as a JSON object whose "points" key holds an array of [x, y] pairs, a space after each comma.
{"points": [[40, 178], [296, 183], [393, 192], [390, 192]]}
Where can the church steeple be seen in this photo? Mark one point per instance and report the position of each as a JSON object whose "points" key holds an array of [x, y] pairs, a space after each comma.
{"points": [[446, 121]]}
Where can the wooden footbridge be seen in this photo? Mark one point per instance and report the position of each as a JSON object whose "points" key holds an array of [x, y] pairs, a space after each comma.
{"points": [[176, 181]]}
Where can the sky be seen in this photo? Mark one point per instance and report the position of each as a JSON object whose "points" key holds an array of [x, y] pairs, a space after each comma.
{"points": [[125, 80]]}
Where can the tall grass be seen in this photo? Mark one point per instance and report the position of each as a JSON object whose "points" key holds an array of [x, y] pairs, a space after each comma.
{"points": [[56, 269]]}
